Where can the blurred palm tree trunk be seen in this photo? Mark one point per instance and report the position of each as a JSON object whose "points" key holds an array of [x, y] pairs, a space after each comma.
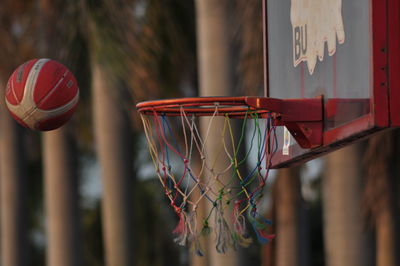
{"points": [[15, 47], [110, 40], [215, 78], [61, 193], [12, 190], [113, 137], [64, 246], [291, 247], [386, 251], [382, 169], [344, 238]]}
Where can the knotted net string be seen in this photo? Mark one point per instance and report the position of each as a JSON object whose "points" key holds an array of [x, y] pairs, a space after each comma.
{"points": [[239, 196]]}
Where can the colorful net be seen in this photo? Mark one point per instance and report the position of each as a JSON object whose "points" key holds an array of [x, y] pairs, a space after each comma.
{"points": [[189, 176]]}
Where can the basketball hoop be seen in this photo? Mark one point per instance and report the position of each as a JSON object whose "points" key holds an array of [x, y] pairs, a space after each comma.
{"points": [[175, 157]]}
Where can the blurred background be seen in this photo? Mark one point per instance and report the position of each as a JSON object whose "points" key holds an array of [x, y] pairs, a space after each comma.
{"points": [[87, 194]]}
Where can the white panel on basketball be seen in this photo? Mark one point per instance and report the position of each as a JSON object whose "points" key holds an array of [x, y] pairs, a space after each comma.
{"points": [[40, 114], [27, 104]]}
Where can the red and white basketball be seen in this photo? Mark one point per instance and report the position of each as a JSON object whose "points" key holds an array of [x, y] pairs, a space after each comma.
{"points": [[42, 94]]}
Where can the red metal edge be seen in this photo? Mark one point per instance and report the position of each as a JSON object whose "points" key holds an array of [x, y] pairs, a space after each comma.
{"points": [[278, 162], [364, 123], [333, 139], [380, 97], [394, 61]]}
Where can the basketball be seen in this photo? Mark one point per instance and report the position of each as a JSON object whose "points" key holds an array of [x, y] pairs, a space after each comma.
{"points": [[42, 94]]}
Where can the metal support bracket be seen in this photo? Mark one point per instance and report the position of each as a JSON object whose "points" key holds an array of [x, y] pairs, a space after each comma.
{"points": [[302, 117]]}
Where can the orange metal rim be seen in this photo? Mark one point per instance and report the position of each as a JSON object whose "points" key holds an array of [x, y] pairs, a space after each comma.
{"points": [[199, 106]]}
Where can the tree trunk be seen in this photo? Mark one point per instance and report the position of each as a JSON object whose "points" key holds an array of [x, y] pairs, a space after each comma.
{"points": [[213, 46], [12, 191], [382, 165], [386, 251], [113, 137], [61, 193], [289, 210], [215, 78], [344, 237]]}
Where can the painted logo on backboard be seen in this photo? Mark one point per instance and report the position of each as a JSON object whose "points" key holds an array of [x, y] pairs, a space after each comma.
{"points": [[315, 22]]}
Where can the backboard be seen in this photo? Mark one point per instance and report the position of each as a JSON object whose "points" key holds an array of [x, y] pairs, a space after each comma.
{"points": [[348, 53]]}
